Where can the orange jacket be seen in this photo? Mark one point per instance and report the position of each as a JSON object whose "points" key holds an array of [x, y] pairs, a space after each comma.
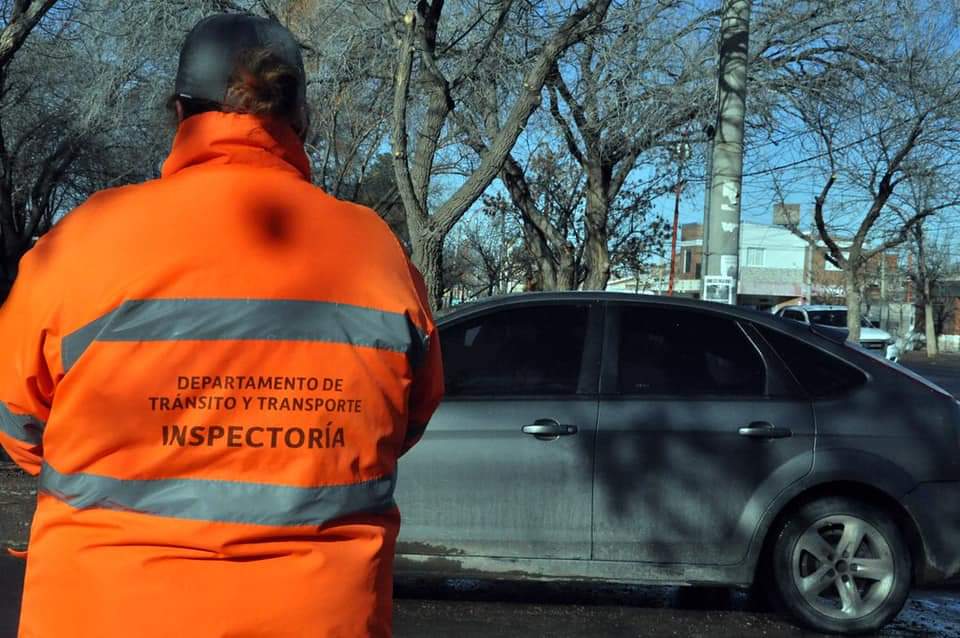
{"points": [[214, 374]]}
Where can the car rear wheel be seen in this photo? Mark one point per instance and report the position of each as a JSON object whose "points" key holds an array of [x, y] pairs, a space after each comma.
{"points": [[841, 566]]}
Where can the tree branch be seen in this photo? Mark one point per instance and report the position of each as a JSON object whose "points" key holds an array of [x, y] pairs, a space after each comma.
{"points": [[401, 94], [565, 128], [26, 15], [576, 27], [887, 184]]}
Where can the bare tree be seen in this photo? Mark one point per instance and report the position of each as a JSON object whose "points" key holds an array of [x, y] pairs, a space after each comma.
{"points": [[63, 137], [931, 261], [350, 88], [20, 19], [547, 196], [876, 121], [446, 68], [490, 245], [627, 92]]}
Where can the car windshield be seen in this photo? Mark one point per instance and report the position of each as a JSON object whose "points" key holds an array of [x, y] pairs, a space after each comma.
{"points": [[834, 318]]}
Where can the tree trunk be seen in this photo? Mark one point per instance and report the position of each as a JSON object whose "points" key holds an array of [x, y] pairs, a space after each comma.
{"points": [[428, 258], [544, 270], [928, 319], [931, 329], [556, 267], [853, 303], [567, 272], [562, 275], [596, 252]]}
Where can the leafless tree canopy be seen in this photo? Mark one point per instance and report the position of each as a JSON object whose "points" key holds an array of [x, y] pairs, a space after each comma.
{"points": [[551, 120], [876, 110]]}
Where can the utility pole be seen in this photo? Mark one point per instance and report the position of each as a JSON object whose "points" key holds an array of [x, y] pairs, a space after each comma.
{"points": [[680, 152], [722, 226]]}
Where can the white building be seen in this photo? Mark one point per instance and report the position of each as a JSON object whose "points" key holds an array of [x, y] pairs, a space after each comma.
{"points": [[773, 262]]}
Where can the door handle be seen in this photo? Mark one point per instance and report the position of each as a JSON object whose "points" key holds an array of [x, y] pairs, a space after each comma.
{"points": [[548, 428], [763, 430]]}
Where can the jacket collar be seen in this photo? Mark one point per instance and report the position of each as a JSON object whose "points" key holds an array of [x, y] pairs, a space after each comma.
{"points": [[231, 138]]}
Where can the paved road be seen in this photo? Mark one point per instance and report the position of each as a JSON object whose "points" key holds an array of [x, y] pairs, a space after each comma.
{"points": [[468, 609], [943, 370]]}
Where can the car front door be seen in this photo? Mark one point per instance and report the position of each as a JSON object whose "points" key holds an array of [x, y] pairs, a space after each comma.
{"points": [[505, 468], [699, 429]]}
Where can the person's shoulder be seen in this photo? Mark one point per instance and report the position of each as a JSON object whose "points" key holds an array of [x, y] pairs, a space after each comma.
{"points": [[360, 215], [105, 201], [78, 228], [346, 206]]}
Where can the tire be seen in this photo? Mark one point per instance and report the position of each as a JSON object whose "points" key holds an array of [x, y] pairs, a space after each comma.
{"points": [[830, 585]]}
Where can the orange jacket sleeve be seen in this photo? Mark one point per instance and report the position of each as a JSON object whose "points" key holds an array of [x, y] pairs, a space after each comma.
{"points": [[26, 384], [427, 389]]}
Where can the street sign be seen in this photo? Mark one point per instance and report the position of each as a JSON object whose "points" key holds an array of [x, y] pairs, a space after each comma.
{"points": [[720, 288]]}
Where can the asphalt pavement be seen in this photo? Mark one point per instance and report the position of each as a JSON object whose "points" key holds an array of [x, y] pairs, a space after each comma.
{"points": [[469, 608], [943, 370]]}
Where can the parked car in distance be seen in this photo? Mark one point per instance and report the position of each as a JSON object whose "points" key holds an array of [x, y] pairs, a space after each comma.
{"points": [[872, 338], [631, 438]]}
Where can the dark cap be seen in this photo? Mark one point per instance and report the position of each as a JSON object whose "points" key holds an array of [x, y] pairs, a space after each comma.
{"points": [[212, 48]]}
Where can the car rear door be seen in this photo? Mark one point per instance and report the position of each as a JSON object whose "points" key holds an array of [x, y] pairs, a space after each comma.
{"points": [[700, 428], [506, 466]]}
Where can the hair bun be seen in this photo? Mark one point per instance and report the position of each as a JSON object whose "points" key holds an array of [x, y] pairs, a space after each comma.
{"points": [[262, 85]]}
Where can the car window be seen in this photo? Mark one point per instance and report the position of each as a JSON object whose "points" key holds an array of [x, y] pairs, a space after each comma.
{"points": [[682, 353], [795, 315], [529, 350], [833, 318], [819, 373]]}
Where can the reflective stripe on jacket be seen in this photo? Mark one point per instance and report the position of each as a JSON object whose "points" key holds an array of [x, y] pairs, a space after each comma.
{"points": [[214, 374]]}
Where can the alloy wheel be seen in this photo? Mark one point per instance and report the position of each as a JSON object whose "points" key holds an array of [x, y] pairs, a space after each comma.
{"points": [[843, 567]]}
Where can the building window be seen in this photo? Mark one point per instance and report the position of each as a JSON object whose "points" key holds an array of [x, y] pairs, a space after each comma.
{"points": [[687, 258], [755, 256]]}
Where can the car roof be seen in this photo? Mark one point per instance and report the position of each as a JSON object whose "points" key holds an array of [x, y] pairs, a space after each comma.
{"points": [[587, 296], [815, 307]]}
